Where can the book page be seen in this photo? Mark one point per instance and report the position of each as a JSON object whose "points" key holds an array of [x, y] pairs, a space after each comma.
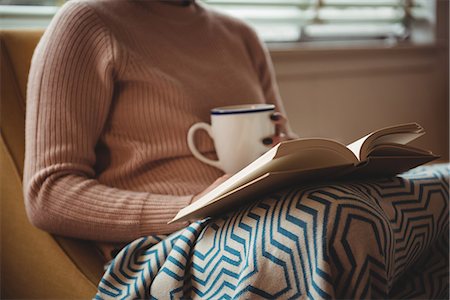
{"points": [[301, 154], [398, 150], [401, 139], [356, 146], [253, 170], [398, 134], [260, 186]]}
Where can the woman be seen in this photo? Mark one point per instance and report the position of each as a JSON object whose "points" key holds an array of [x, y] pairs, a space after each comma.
{"points": [[114, 86], [113, 89]]}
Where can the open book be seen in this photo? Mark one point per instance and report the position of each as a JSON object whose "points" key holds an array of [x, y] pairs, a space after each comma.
{"points": [[381, 153]]}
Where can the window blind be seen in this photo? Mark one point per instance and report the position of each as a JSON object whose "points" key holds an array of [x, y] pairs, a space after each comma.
{"points": [[316, 20], [285, 20]]}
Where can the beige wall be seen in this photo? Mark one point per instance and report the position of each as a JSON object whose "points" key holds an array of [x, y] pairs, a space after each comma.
{"points": [[343, 93]]}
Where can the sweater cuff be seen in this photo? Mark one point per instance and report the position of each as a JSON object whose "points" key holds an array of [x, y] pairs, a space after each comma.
{"points": [[157, 210]]}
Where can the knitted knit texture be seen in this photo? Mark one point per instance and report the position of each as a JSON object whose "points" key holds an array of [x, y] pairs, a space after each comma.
{"points": [[113, 88]]}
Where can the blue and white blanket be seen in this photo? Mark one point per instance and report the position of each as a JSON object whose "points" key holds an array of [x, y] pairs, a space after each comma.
{"points": [[379, 238]]}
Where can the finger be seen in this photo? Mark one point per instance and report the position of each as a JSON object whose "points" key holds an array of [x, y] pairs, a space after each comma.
{"points": [[278, 118], [280, 122], [268, 141], [274, 140], [279, 129]]}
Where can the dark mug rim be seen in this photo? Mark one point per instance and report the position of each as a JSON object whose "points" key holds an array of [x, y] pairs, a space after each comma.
{"points": [[242, 109]]}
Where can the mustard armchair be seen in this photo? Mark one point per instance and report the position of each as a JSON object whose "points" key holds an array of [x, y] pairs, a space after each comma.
{"points": [[34, 264]]}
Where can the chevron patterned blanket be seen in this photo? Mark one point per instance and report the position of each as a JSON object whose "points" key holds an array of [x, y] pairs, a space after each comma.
{"points": [[379, 238]]}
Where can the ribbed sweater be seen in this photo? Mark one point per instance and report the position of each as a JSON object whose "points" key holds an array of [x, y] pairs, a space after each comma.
{"points": [[113, 88]]}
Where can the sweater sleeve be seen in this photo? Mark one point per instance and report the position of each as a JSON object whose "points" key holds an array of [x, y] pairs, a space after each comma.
{"points": [[69, 95], [262, 63]]}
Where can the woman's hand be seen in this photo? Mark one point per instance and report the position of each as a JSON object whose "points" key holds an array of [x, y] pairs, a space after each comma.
{"points": [[216, 183], [282, 131]]}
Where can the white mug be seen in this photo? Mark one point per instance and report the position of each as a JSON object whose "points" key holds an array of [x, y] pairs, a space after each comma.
{"points": [[237, 132]]}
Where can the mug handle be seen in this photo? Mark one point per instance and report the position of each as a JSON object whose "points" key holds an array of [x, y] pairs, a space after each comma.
{"points": [[191, 144]]}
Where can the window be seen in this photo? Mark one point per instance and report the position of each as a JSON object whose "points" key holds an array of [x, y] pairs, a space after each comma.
{"points": [[287, 20], [313, 20], [27, 13]]}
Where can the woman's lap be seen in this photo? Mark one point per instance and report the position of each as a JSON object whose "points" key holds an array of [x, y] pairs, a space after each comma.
{"points": [[342, 240]]}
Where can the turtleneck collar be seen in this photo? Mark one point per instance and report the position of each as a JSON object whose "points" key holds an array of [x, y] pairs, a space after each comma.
{"points": [[176, 11]]}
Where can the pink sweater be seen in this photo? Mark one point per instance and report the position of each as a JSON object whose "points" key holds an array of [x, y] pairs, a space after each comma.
{"points": [[114, 87]]}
